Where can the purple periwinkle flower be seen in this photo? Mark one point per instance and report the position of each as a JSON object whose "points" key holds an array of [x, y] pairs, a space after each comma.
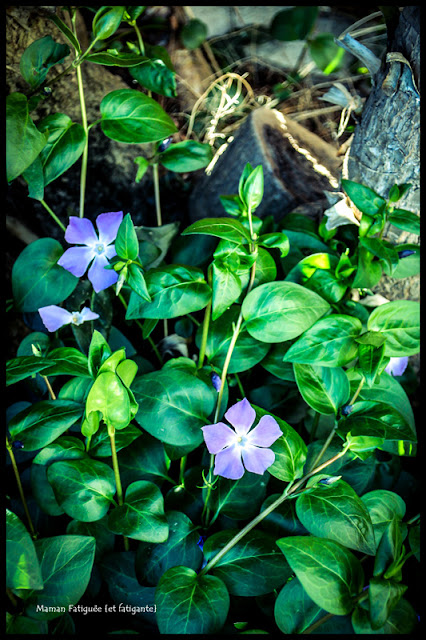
{"points": [[55, 317], [232, 448], [397, 366], [216, 381], [95, 250], [405, 253]]}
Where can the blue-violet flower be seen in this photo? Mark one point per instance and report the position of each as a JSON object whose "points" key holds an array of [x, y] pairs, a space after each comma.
{"points": [[96, 250], [55, 317], [233, 448], [397, 366]]}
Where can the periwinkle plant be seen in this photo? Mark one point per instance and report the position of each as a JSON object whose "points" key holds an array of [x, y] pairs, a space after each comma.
{"points": [[242, 471]]}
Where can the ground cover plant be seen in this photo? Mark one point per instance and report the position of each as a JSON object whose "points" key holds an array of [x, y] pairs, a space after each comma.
{"points": [[236, 465]]}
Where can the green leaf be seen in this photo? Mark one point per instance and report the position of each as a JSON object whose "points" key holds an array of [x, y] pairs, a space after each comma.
{"points": [[330, 342], [410, 265], [23, 140], [294, 610], [253, 567], [173, 406], [369, 271], [186, 156], [293, 24], [154, 75], [104, 537], [326, 54], [252, 192], [132, 117], [180, 548], [266, 306], [22, 567], [276, 240], [226, 288], [383, 506], [142, 514], [65, 144], [187, 603], [112, 58], [39, 57], [364, 198], [67, 361], [106, 22], [405, 220], [325, 389], [41, 423], [239, 499], [370, 359], [193, 33], [66, 32], [383, 595], [126, 241], [330, 574], [99, 351], [112, 399], [66, 564], [83, 488], [100, 443], [247, 351], [401, 621], [387, 562], [399, 322], [317, 273], [225, 228], [34, 177], [22, 367], [337, 513], [48, 284], [175, 290], [144, 460]]}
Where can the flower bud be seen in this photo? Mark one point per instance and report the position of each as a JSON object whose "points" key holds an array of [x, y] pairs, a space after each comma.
{"points": [[17, 444], [164, 145], [346, 409], [405, 253], [216, 381]]}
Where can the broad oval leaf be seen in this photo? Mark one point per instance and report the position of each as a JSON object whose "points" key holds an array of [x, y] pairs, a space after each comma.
{"points": [[141, 516], [279, 311], [225, 228], [330, 574], [48, 284], [325, 389], [253, 567], [23, 140], [106, 21], [66, 563], [364, 198], [83, 488], [188, 155], [39, 57], [22, 367], [399, 322], [190, 604], [402, 621], [383, 506], [132, 117], [294, 610], [22, 567], [239, 499], [330, 342], [65, 144], [337, 513], [173, 406]]}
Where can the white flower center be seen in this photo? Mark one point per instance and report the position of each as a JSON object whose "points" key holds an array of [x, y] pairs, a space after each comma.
{"points": [[242, 441], [76, 318], [99, 248]]}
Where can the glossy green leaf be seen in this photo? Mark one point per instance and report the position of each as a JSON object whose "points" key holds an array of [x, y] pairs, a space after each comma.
{"points": [[41, 423], [175, 290], [22, 567], [369, 270], [279, 311], [34, 178], [100, 443], [65, 144], [23, 140], [112, 58], [99, 530], [239, 499], [193, 33], [225, 228], [226, 288], [126, 241], [106, 21], [325, 389], [370, 359], [363, 197], [405, 220], [146, 459], [330, 574], [66, 32], [387, 562], [401, 621], [22, 367], [132, 117], [173, 406], [252, 192], [39, 57], [49, 283], [317, 273], [180, 548], [294, 23], [110, 397], [190, 604], [188, 155], [83, 488], [67, 361], [99, 351], [383, 595], [142, 514], [155, 76], [383, 506], [337, 513], [276, 240], [325, 52], [253, 567], [66, 564], [330, 342], [294, 611], [399, 322]]}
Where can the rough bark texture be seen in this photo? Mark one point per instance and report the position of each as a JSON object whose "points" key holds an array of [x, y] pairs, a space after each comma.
{"points": [[298, 166], [386, 145]]}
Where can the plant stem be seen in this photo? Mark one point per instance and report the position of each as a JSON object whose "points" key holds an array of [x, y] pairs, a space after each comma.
{"points": [[49, 387], [140, 41], [182, 471], [288, 491], [325, 446], [54, 216], [206, 324], [20, 489], [357, 392], [111, 433], [84, 122]]}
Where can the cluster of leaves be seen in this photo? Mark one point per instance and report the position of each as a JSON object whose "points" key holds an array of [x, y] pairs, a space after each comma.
{"points": [[117, 500]]}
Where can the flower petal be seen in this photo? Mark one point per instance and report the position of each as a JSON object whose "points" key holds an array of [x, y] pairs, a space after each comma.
{"points": [[54, 317], [76, 260], [397, 366], [108, 224], [100, 277], [86, 314], [218, 436], [228, 463], [256, 459], [241, 415], [80, 231], [265, 433]]}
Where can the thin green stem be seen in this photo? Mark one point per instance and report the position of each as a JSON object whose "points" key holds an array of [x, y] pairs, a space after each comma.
{"points": [[358, 391], [83, 174], [206, 324], [139, 36], [182, 471], [54, 216], [49, 387], [325, 446], [156, 178], [288, 491], [240, 386], [111, 432], [20, 488]]}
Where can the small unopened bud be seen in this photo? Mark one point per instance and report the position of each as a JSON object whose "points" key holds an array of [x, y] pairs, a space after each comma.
{"points": [[330, 480], [36, 350], [405, 253], [346, 409], [17, 444], [164, 145], [216, 381]]}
